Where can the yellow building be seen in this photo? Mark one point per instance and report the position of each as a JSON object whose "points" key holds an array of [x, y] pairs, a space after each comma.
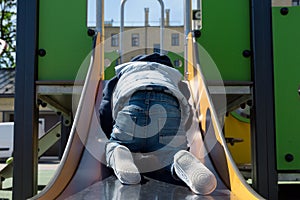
{"points": [[285, 2], [143, 39]]}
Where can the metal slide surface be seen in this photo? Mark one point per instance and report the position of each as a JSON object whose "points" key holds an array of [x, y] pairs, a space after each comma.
{"points": [[82, 173]]}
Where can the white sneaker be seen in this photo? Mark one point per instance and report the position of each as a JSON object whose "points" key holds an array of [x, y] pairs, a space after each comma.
{"points": [[124, 167], [196, 175]]}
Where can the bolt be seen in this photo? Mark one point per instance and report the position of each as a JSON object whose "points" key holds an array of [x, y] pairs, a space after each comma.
{"points": [[243, 106], [247, 53], [249, 103], [284, 11], [39, 102], [67, 121], [197, 33], [44, 105], [42, 52], [289, 157], [90, 32]]}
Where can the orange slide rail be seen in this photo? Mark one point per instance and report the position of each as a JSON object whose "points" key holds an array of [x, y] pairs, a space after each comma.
{"points": [[219, 153]]}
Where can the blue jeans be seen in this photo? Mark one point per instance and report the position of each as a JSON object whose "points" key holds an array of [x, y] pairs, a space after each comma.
{"points": [[150, 123]]}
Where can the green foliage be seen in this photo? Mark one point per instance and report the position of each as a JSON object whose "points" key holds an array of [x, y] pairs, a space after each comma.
{"points": [[8, 21]]}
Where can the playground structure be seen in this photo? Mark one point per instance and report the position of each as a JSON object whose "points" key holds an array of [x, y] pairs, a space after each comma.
{"points": [[76, 176], [248, 50]]}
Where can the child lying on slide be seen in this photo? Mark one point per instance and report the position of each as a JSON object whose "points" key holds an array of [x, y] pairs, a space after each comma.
{"points": [[145, 113]]}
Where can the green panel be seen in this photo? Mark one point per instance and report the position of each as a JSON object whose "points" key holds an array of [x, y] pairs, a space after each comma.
{"points": [[111, 60], [286, 43], [63, 34], [225, 35], [177, 57]]}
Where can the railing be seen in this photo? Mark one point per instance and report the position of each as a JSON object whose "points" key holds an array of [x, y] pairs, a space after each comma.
{"points": [[161, 27]]}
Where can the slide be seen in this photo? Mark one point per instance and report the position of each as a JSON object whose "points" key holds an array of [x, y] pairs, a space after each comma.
{"points": [[83, 174]]}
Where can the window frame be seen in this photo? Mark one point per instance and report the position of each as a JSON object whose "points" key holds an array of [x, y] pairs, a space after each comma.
{"points": [[135, 39], [175, 39], [114, 40]]}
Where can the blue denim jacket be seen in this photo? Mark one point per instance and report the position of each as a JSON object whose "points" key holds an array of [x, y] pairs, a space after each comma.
{"points": [[105, 110]]}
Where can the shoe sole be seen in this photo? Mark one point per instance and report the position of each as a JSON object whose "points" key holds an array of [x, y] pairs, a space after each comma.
{"points": [[196, 175], [125, 169]]}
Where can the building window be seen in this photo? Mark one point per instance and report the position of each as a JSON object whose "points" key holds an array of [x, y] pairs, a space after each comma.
{"points": [[295, 2], [114, 40], [175, 39], [135, 40], [156, 48]]}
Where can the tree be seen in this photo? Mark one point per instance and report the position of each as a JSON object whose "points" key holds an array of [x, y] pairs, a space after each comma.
{"points": [[8, 21]]}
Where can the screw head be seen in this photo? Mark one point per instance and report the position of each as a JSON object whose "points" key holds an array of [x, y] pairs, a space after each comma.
{"points": [[284, 11], [42, 52], [91, 32], [249, 103], [39, 102], [67, 121], [44, 105], [197, 33], [247, 53], [289, 157]]}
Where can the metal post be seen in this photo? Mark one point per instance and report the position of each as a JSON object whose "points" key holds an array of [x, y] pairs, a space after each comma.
{"points": [[65, 132], [187, 17], [263, 112], [99, 16], [26, 111], [199, 3], [100, 31], [121, 30], [187, 29], [146, 28], [162, 26]]}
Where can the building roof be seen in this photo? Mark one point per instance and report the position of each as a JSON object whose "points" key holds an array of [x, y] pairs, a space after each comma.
{"points": [[7, 81]]}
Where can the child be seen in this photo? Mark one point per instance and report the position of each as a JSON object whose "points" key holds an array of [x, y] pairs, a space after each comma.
{"points": [[145, 113]]}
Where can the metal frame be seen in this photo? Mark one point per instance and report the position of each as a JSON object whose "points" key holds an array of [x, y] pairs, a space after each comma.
{"points": [[50, 138], [162, 22], [262, 114], [65, 132], [45, 142], [187, 17], [187, 30], [99, 15], [26, 111]]}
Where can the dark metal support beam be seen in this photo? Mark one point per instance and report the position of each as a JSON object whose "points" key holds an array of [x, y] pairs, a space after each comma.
{"points": [[65, 132], [26, 111], [264, 172]]}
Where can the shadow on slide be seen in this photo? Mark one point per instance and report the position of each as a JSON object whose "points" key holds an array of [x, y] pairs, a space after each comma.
{"points": [[83, 174]]}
